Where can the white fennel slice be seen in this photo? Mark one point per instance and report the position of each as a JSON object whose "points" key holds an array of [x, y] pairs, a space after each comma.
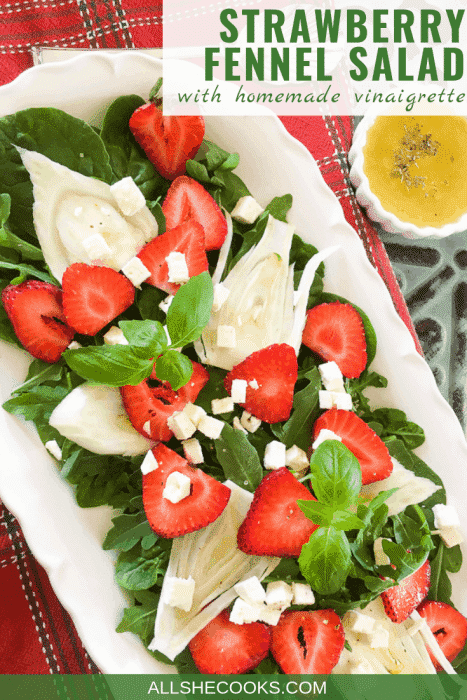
{"points": [[211, 557]]}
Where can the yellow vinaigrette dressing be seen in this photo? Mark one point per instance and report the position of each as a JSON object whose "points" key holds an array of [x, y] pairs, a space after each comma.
{"points": [[417, 167]]}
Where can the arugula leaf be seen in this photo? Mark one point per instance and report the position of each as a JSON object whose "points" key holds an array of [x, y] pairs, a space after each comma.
{"points": [[405, 562], [238, 458], [175, 368], [25, 271], [279, 207], [140, 619], [112, 365], [213, 389], [40, 372], [355, 388], [137, 570], [250, 238], [36, 403], [336, 474], [409, 460], [233, 188], [126, 531], [298, 429], [394, 422], [148, 304], [325, 560], [446, 559], [197, 171], [190, 310], [10, 240]]}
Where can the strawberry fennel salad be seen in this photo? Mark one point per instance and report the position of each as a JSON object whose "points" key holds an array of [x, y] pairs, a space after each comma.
{"points": [[191, 372]]}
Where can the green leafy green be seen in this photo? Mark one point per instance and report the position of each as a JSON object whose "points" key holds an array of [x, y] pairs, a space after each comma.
{"points": [[138, 569], [238, 458], [445, 560], [279, 207], [145, 334], [175, 368], [298, 429], [370, 334], [8, 239], [113, 365], [325, 560], [190, 310], [336, 474], [140, 618], [126, 531]]}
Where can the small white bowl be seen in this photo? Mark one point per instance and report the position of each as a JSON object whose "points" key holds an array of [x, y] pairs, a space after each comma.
{"points": [[375, 210]]}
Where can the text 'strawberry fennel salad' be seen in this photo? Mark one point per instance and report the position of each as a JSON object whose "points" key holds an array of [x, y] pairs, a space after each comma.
{"points": [[191, 372]]}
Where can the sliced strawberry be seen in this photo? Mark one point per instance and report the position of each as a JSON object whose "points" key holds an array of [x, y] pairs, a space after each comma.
{"points": [[275, 370], [93, 296], [167, 141], [205, 503], [368, 448], [449, 627], [308, 641], [335, 332], [274, 525], [187, 199], [225, 647], [188, 238], [36, 312], [156, 404], [401, 600]]}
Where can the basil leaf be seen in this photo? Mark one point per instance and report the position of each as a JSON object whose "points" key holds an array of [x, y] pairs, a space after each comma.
{"points": [[279, 207], [197, 171], [298, 429], [175, 368], [325, 560], [190, 310], [343, 520], [318, 513], [112, 365], [238, 458], [145, 334], [126, 531], [233, 189], [336, 474]]}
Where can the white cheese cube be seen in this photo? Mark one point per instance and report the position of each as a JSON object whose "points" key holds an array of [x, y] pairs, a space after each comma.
{"points": [[358, 622], [222, 405], [178, 269], [361, 667], [323, 435], [377, 639], [193, 451], [165, 303], [302, 594], [243, 613], [325, 399], [251, 590], [249, 422], [96, 247], [247, 210], [279, 594], [177, 487], [331, 376], [136, 271], [74, 345], [381, 558], [149, 463], [211, 427], [296, 459], [342, 401], [274, 455], [451, 536], [238, 426], [270, 615], [445, 516], [54, 448], [194, 413], [226, 337], [181, 425], [128, 196], [238, 390], [221, 293], [114, 336], [179, 592], [253, 384]]}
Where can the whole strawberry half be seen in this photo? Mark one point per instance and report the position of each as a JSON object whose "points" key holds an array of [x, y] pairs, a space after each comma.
{"points": [[401, 600], [274, 525], [335, 332], [206, 501], [308, 641], [449, 627], [366, 445], [225, 647], [93, 296], [188, 238], [35, 309], [167, 141], [187, 199], [156, 404], [275, 370]]}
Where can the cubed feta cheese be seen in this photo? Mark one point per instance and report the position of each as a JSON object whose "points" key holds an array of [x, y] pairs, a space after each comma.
{"points": [[253, 384], [358, 622], [302, 594], [211, 427], [177, 487], [193, 451], [179, 592], [136, 271], [325, 434], [149, 463], [328, 399], [238, 390], [178, 269], [226, 337], [274, 455], [165, 303], [74, 345], [381, 558], [279, 594], [249, 422], [54, 448], [445, 516], [181, 425], [194, 413], [114, 336], [238, 426], [270, 615], [325, 399], [296, 459], [243, 613], [128, 196], [224, 405], [376, 639], [331, 376], [247, 210], [451, 536], [221, 292], [251, 590], [96, 247]]}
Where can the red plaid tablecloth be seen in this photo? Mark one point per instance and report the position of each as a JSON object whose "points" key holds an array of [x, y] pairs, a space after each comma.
{"points": [[36, 633]]}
